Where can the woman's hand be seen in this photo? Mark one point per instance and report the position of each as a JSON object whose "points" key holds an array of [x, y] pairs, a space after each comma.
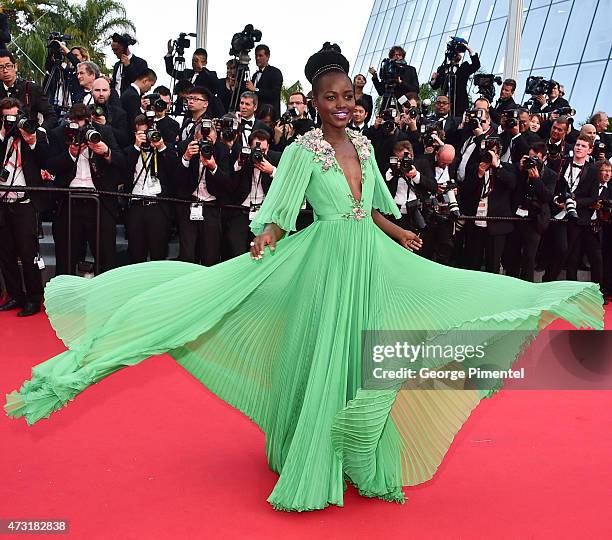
{"points": [[410, 240], [272, 233]]}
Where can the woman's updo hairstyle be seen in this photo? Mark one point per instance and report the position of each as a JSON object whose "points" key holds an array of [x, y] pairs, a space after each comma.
{"points": [[328, 60]]}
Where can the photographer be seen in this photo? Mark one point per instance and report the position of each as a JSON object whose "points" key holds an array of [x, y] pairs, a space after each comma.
{"points": [[438, 242], [197, 99], [452, 76], [267, 81], [27, 92], [575, 192], [505, 101], [384, 134], [150, 170], [24, 151], [199, 74], [410, 181], [449, 123], [604, 170], [473, 132], [131, 96], [292, 123], [249, 182], [203, 177], [556, 145], [228, 84], [531, 199], [487, 191], [169, 127], [129, 65], [516, 136], [84, 156], [104, 112], [248, 123], [600, 121], [554, 102], [396, 75], [86, 73]]}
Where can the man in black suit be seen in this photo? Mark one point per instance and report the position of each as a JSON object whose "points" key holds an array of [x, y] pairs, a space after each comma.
{"points": [[23, 156], [267, 81], [486, 191], [28, 93], [198, 74], [505, 101], [578, 178], [85, 165], [151, 167], [531, 199], [130, 98], [407, 80], [248, 185], [105, 113], [516, 136], [249, 102], [462, 71], [129, 65], [449, 123], [554, 102], [169, 127]]}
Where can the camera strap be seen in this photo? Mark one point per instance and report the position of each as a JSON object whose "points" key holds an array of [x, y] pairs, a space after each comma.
{"points": [[146, 162], [15, 165]]}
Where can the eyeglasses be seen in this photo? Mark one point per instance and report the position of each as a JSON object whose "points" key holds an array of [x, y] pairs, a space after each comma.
{"points": [[195, 98], [296, 103], [6, 67]]}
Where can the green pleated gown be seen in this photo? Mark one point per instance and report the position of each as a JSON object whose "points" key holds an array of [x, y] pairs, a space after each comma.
{"points": [[280, 338]]}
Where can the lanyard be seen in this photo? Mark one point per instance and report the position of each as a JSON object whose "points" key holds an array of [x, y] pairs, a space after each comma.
{"points": [[145, 167], [571, 177], [256, 188], [486, 185]]}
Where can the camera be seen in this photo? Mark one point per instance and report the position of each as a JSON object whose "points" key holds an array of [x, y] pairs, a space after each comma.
{"points": [[455, 46], [244, 41], [206, 148], [228, 126], [511, 118], [390, 70], [537, 86], [427, 130], [97, 110], [402, 165], [288, 116], [567, 197], [563, 111], [485, 82], [257, 155], [76, 134], [490, 144], [599, 150], [532, 163], [474, 118], [156, 103], [206, 127], [182, 43], [388, 116], [413, 113], [251, 155], [19, 121]]}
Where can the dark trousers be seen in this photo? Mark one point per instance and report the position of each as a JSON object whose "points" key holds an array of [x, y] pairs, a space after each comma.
{"points": [[303, 220], [236, 232], [200, 241], [83, 227], [606, 251], [19, 239], [148, 231], [482, 245], [579, 238], [438, 242], [521, 248], [554, 246]]}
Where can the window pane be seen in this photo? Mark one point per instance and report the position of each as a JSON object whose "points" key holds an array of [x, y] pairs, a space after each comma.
{"points": [[565, 75], [406, 22], [428, 18], [419, 51], [366, 36], [376, 31], [417, 19], [477, 36], [396, 19], [598, 46], [455, 15], [501, 9], [440, 20], [469, 13], [519, 93], [573, 42], [376, 7], [380, 43], [604, 99], [498, 67], [426, 67], [384, 5], [492, 41], [539, 3], [531, 35], [439, 57], [585, 89], [485, 10], [553, 33]]}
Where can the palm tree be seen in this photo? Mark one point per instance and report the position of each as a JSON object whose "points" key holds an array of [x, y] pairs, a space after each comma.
{"points": [[286, 91]]}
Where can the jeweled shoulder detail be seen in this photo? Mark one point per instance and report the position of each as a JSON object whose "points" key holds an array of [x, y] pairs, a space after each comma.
{"points": [[361, 143], [324, 152]]}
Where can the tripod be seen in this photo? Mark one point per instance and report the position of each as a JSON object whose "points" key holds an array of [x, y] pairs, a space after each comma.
{"points": [[56, 88], [388, 100], [242, 76], [178, 65], [450, 83]]}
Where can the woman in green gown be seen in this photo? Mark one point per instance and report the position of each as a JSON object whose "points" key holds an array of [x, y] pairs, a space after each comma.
{"points": [[277, 333]]}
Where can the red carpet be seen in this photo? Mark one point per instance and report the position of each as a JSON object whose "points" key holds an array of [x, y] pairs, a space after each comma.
{"points": [[150, 453]]}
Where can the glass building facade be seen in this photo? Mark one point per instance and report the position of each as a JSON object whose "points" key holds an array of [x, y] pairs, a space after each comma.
{"points": [[569, 41]]}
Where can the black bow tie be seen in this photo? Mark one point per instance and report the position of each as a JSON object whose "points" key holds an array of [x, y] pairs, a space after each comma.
{"points": [[246, 122], [577, 166]]}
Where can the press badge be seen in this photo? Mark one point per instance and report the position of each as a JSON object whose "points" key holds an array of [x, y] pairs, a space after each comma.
{"points": [[482, 212], [521, 212], [196, 212], [38, 261], [153, 185], [253, 211]]}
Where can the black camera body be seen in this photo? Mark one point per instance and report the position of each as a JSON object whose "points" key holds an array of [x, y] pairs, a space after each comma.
{"points": [[391, 69], [567, 197], [532, 163], [413, 113], [427, 129], [388, 116], [206, 148], [511, 117], [487, 145], [599, 150], [289, 116], [455, 46], [257, 155], [537, 86], [227, 125], [15, 122], [244, 41], [182, 43], [251, 155], [76, 134], [156, 103], [485, 83], [475, 117]]}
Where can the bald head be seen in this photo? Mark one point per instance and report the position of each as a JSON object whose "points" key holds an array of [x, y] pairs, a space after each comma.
{"points": [[445, 156], [589, 130], [100, 91]]}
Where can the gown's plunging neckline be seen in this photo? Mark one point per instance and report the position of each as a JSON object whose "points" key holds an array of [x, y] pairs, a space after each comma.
{"points": [[358, 200]]}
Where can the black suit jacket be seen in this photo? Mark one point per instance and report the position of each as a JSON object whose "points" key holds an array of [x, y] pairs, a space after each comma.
{"points": [[32, 162], [106, 176], [463, 74], [33, 100], [170, 130], [128, 76], [426, 185], [167, 164], [585, 194], [269, 87], [559, 103], [130, 103], [206, 78], [535, 196], [520, 145], [500, 107], [410, 82], [116, 118], [240, 182], [503, 183]]}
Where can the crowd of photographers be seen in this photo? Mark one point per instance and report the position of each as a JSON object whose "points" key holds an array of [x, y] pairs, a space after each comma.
{"points": [[487, 186]]}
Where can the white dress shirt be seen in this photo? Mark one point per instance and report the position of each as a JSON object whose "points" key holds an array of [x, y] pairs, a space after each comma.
{"points": [[13, 166], [119, 75], [82, 178]]}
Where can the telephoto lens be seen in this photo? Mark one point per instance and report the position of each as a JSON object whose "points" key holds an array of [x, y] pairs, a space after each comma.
{"points": [[29, 126], [153, 135], [206, 148], [92, 136]]}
